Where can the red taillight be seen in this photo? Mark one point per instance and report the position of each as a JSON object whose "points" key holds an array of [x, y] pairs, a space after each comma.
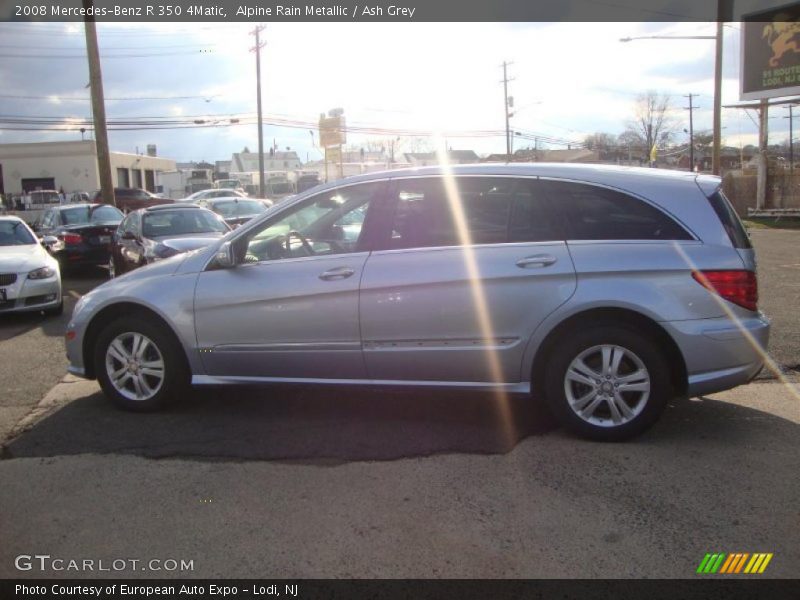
{"points": [[739, 287], [71, 239]]}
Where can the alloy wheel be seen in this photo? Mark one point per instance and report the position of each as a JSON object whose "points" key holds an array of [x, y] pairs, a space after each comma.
{"points": [[607, 385], [135, 366]]}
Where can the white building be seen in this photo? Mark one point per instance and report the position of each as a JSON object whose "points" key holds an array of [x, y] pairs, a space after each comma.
{"points": [[242, 162], [73, 167]]}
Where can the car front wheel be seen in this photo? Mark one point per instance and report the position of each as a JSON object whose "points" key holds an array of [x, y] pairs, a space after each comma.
{"points": [[607, 383], [139, 366]]}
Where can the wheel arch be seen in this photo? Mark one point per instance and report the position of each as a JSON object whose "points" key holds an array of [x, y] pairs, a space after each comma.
{"points": [[111, 313], [614, 316]]}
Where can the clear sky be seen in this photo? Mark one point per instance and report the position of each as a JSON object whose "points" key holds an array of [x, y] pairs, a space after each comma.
{"points": [[570, 80]]}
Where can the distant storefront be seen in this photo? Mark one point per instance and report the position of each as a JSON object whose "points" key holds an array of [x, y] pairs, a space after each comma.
{"points": [[72, 167]]}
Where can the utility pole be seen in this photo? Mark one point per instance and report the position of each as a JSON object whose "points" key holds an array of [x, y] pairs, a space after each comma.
{"points": [[506, 107], [791, 140], [98, 106], [716, 167], [257, 50], [690, 108], [763, 139], [791, 152]]}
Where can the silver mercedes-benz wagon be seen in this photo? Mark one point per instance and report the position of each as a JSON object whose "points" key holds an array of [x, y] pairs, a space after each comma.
{"points": [[604, 291]]}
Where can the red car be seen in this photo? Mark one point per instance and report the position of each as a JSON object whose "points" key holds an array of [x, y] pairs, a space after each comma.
{"points": [[128, 199]]}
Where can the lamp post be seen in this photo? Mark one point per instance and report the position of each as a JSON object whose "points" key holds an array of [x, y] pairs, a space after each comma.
{"points": [[715, 152]]}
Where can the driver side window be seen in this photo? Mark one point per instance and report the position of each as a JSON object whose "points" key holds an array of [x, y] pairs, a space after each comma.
{"points": [[328, 223]]}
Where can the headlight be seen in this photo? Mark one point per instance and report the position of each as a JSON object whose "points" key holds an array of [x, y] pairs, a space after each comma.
{"points": [[41, 273]]}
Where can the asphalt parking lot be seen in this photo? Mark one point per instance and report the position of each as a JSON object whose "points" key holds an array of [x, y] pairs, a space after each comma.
{"points": [[301, 482]]}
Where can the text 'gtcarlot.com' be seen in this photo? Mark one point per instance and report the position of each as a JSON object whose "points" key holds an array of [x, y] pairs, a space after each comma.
{"points": [[45, 562]]}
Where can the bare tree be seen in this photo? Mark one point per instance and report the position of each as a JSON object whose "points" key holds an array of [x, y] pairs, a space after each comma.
{"points": [[415, 144], [600, 141], [652, 121]]}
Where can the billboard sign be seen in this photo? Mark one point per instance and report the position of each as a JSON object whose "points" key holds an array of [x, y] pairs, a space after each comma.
{"points": [[331, 131], [770, 65]]}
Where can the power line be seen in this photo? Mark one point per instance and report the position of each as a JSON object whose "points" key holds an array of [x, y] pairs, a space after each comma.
{"points": [[86, 99], [106, 48], [105, 55], [45, 29]]}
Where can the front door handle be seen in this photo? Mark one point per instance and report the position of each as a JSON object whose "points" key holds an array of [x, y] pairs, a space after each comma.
{"points": [[337, 273], [537, 260]]}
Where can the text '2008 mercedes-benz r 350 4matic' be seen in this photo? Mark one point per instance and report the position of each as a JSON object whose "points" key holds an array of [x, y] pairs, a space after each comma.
{"points": [[604, 291]]}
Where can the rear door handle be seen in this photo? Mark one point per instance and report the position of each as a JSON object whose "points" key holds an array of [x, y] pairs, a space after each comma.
{"points": [[537, 260], [337, 273]]}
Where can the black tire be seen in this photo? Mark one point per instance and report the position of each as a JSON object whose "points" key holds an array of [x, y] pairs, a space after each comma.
{"points": [[639, 346], [175, 379], [56, 311]]}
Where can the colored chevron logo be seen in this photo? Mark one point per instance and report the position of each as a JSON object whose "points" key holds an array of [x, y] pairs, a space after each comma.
{"points": [[734, 563]]}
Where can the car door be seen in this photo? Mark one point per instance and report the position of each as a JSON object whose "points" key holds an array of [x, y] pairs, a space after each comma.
{"points": [[471, 267], [290, 310]]}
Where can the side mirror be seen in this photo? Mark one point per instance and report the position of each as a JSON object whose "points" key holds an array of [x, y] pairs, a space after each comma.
{"points": [[49, 240], [224, 257]]}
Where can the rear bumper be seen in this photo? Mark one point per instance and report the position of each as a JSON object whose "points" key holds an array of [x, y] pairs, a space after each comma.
{"points": [[721, 353], [85, 255]]}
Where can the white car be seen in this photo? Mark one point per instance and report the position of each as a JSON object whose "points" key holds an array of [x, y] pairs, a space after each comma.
{"points": [[30, 279], [213, 193]]}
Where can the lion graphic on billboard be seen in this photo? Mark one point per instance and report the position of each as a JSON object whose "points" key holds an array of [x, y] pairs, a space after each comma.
{"points": [[781, 37]]}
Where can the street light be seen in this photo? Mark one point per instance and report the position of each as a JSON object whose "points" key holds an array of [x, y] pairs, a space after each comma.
{"points": [[715, 152]]}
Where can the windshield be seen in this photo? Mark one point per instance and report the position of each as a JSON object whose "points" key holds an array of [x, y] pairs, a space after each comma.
{"points": [[15, 233], [181, 222], [238, 208], [83, 215]]}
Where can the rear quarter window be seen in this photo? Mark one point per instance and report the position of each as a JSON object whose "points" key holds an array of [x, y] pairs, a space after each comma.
{"points": [[730, 220], [596, 213]]}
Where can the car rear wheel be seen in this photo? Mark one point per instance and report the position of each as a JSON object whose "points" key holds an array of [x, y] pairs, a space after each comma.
{"points": [[607, 383], [139, 366]]}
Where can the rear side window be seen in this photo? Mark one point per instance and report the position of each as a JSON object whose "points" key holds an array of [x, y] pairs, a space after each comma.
{"points": [[595, 213], [483, 210], [730, 220]]}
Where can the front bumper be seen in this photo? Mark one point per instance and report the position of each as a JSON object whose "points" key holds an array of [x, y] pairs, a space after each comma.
{"points": [[31, 294], [721, 353]]}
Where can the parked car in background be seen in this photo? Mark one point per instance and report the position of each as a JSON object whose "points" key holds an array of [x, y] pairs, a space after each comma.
{"points": [[151, 234], [30, 279], [128, 199], [213, 193], [80, 197], [236, 211], [229, 184], [42, 198], [78, 234], [604, 291]]}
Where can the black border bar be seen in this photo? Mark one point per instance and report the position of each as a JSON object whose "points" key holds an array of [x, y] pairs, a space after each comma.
{"points": [[271, 11], [732, 588]]}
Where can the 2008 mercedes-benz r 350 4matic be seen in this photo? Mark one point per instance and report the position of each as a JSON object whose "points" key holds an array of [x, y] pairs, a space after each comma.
{"points": [[603, 290]]}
